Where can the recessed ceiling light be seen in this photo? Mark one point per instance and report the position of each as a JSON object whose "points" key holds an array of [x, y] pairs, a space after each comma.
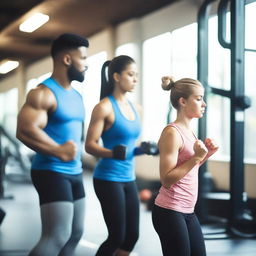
{"points": [[34, 22], [7, 66]]}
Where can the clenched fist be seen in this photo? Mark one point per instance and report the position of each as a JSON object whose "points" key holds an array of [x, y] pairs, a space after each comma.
{"points": [[200, 150], [67, 151], [211, 146]]}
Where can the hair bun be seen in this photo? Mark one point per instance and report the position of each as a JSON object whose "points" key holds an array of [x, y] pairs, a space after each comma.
{"points": [[165, 85]]}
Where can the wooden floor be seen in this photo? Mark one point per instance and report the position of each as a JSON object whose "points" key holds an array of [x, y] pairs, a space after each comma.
{"points": [[21, 227]]}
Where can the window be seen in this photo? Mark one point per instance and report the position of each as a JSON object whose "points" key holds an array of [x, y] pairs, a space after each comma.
{"points": [[219, 58], [218, 107], [90, 88], [250, 22], [250, 117], [184, 58], [167, 54], [250, 82], [219, 77], [32, 83], [8, 113], [130, 50], [218, 124], [127, 49], [184, 52], [156, 63]]}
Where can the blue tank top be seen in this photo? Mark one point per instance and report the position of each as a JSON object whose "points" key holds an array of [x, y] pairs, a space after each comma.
{"points": [[122, 131], [65, 123]]}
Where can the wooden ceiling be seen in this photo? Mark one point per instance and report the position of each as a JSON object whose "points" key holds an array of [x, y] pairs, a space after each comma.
{"points": [[85, 17]]}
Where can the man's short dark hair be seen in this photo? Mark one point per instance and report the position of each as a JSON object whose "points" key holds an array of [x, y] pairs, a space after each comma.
{"points": [[68, 41]]}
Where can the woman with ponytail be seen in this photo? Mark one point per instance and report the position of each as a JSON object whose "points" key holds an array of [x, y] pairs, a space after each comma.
{"points": [[181, 154], [115, 120]]}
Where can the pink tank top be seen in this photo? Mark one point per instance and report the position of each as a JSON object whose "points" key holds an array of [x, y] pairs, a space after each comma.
{"points": [[181, 196]]}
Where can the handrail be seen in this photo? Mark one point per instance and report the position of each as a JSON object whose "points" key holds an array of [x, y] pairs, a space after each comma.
{"points": [[222, 14]]}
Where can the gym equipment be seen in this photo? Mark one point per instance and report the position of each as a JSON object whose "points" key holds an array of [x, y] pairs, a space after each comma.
{"points": [[14, 165], [119, 152], [240, 222], [145, 195], [147, 147]]}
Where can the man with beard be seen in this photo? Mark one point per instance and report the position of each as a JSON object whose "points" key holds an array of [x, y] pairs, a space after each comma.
{"points": [[51, 123]]}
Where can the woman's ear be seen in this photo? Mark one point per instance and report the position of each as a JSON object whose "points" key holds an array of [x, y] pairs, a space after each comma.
{"points": [[67, 60], [116, 77], [182, 101]]}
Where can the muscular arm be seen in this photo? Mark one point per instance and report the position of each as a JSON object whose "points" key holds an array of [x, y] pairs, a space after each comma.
{"points": [[169, 145], [98, 123], [33, 117]]}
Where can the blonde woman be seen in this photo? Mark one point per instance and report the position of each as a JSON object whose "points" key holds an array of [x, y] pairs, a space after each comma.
{"points": [[181, 154]]}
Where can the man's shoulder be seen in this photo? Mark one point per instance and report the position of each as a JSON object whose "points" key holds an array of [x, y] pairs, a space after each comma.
{"points": [[41, 95], [40, 91]]}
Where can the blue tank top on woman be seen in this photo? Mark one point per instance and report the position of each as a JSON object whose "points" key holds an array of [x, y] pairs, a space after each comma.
{"points": [[65, 123], [123, 131]]}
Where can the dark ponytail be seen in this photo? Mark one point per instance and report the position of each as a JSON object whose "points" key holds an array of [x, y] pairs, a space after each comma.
{"points": [[106, 88], [117, 65]]}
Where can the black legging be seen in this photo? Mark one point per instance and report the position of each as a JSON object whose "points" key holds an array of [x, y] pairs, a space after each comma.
{"points": [[120, 206], [180, 234]]}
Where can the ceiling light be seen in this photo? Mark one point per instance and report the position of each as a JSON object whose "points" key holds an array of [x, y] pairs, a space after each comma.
{"points": [[34, 22], [7, 66]]}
